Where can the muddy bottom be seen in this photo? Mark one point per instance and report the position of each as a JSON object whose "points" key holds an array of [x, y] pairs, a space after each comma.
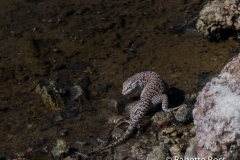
{"points": [[96, 45]]}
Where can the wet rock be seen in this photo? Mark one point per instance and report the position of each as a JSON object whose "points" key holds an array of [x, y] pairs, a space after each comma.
{"points": [[75, 92], [117, 133], [183, 114], [138, 152], [164, 139], [170, 131], [115, 119], [72, 112], [216, 116], [60, 148], [82, 143], [191, 98], [58, 119], [49, 99], [114, 105], [103, 88], [158, 152], [218, 15], [162, 118], [204, 78], [176, 151], [74, 157], [64, 132]]}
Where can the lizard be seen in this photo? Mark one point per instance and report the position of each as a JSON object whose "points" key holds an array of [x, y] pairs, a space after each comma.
{"points": [[154, 91]]}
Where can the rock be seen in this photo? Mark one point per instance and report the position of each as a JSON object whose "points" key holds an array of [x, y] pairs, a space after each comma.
{"points": [[138, 152], [115, 119], [162, 118], [75, 157], [176, 151], [117, 133], [58, 119], [217, 116], [217, 15], [60, 148], [48, 98], [75, 92], [115, 106], [64, 132], [158, 152], [72, 112], [183, 114]]}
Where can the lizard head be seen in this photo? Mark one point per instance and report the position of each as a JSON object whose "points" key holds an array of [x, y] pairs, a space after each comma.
{"points": [[129, 85]]}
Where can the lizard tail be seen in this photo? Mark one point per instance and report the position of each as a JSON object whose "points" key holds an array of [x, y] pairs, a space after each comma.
{"points": [[124, 137]]}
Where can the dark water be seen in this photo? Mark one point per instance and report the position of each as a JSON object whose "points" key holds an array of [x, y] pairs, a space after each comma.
{"points": [[91, 43]]}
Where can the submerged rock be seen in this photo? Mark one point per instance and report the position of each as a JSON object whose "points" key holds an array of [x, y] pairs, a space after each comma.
{"points": [[158, 152], [217, 15], [217, 116], [183, 114], [50, 96], [60, 148]]}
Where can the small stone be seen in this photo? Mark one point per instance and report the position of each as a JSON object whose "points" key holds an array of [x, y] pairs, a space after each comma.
{"points": [[115, 119], [60, 148], [72, 112], [183, 114], [58, 118], [75, 92], [64, 132], [82, 143], [117, 132], [164, 139], [158, 152], [29, 126], [74, 157], [114, 105], [29, 150], [138, 152], [168, 131], [162, 118], [176, 151]]}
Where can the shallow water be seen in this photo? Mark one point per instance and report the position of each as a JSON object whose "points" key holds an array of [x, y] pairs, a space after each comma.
{"points": [[105, 41]]}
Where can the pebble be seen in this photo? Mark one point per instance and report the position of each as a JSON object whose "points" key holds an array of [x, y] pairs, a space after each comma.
{"points": [[138, 152], [176, 151], [72, 112], [113, 105], [158, 152], [60, 148], [64, 132], [162, 118], [75, 92], [117, 133], [58, 118], [184, 114], [115, 119]]}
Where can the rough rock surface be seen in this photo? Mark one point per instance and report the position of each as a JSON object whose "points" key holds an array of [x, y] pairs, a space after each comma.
{"points": [[217, 15], [217, 116]]}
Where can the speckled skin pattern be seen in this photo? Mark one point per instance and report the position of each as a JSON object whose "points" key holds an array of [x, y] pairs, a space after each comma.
{"points": [[153, 91]]}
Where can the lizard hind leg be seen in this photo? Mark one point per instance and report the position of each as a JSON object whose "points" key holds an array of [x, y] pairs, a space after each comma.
{"points": [[164, 99]]}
